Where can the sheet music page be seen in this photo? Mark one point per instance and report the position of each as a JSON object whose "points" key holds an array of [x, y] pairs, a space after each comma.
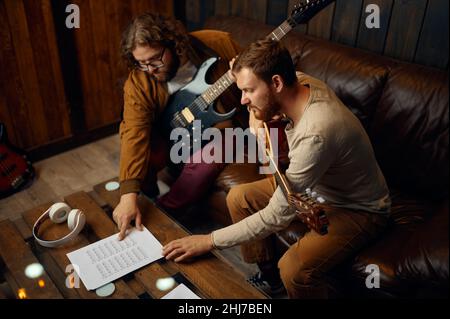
{"points": [[109, 259], [181, 292]]}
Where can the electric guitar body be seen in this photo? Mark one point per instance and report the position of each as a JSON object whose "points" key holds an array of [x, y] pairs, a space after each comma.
{"points": [[15, 169]]}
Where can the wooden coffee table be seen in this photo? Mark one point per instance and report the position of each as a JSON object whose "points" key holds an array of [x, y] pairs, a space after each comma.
{"points": [[208, 276]]}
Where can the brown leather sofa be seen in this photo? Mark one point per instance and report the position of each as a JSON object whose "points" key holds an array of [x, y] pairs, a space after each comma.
{"points": [[404, 108]]}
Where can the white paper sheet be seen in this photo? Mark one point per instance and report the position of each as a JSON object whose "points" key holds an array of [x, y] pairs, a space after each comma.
{"points": [[109, 259], [181, 292]]}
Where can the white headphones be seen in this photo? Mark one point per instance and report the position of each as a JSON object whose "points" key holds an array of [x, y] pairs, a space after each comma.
{"points": [[59, 213]]}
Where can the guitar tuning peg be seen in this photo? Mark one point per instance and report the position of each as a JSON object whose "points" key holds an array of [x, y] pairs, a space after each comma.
{"points": [[314, 194], [308, 191]]}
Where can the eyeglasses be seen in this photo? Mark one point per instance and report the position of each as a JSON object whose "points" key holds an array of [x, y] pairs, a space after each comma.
{"points": [[155, 64]]}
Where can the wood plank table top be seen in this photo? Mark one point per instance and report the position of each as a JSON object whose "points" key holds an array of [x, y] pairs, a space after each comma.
{"points": [[208, 276]]}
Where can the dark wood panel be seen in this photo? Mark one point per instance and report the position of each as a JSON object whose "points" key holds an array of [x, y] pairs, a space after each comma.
{"points": [[374, 39], [62, 105], [403, 35], [433, 43], [320, 25], [23, 53], [32, 79], [252, 9], [222, 7], [49, 77], [98, 45], [10, 85], [193, 14], [346, 21], [103, 58], [276, 11]]}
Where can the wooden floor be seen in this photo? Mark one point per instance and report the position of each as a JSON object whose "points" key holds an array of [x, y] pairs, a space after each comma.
{"points": [[79, 170], [61, 175]]}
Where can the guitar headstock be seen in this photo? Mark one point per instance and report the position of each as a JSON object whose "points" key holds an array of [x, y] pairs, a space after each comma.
{"points": [[305, 10]]}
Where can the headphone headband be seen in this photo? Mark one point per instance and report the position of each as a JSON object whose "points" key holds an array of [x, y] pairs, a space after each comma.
{"points": [[58, 213]]}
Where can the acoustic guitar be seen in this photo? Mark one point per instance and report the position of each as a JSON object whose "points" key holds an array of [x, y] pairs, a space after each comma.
{"points": [[16, 170], [309, 206]]}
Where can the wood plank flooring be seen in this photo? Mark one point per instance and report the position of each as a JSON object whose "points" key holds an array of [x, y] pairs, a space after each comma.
{"points": [[79, 170]]}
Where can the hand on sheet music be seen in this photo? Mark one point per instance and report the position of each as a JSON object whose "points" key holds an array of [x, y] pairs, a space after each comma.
{"points": [[187, 247], [125, 212]]}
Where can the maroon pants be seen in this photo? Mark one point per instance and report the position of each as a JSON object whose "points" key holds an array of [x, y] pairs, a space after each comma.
{"points": [[192, 184]]}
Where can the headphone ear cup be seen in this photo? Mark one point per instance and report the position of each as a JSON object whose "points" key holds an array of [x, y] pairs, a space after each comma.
{"points": [[59, 212], [76, 216]]}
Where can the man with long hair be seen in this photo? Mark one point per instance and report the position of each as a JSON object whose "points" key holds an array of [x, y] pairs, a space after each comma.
{"points": [[163, 58]]}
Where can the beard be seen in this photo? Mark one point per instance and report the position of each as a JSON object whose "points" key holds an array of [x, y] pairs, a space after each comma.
{"points": [[271, 108]]}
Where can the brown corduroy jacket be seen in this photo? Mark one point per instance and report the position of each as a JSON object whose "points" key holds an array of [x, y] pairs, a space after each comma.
{"points": [[145, 100]]}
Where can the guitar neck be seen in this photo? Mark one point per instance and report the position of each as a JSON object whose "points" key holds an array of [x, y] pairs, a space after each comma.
{"points": [[225, 81], [281, 31], [215, 90]]}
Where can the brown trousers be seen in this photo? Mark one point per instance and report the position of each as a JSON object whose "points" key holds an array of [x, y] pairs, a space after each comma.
{"points": [[303, 268]]}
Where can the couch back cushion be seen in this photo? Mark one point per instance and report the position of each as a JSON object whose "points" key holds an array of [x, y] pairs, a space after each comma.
{"points": [[357, 77], [410, 130]]}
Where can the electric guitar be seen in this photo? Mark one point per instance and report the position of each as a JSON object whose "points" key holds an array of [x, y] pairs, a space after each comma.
{"points": [[194, 101], [308, 205], [15, 169]]}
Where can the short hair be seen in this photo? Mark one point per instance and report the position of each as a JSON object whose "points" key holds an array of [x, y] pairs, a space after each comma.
{"points": [[267, 58], [150, 29]]}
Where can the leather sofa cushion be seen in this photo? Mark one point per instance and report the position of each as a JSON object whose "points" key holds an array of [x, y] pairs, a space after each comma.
{"points": [[357, 77], [410, 257], [410, 130]]}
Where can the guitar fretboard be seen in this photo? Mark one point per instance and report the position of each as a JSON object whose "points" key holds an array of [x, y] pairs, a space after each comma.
{"points": [[215, 90], [281, 31], [225, 81]]}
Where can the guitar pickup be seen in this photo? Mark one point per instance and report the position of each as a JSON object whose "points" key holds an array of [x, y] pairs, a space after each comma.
{"points": [[189, 117]]}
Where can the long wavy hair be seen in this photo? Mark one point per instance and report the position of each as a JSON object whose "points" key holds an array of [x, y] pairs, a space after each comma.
{"points": [[153, 29]]}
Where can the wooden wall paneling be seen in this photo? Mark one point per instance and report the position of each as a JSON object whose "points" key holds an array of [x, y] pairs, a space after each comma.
{"points": [[432, 47], [276, 11], [10, 84], [162, 7], [89, 74], [374, 39], [404, 29], [222, 7], [62, 105], [101, 31], [51, 89], [346, 21], [251, 9], [302, 28], [193, 14], [21, 39], [140, 6], [320, 25], [120, 16]]}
